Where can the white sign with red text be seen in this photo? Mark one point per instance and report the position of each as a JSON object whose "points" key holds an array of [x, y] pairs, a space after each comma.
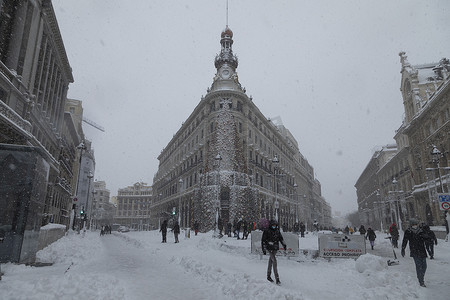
{"points": [[341, 245]]}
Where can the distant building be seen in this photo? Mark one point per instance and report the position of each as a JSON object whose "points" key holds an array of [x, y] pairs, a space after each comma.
{"points": [[133, 206], [84, 167], [228, 160], [103, 211]]}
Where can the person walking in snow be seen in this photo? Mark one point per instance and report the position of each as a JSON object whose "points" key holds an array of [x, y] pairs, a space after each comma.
{"points": [[446, 219], [229, 228], [316, 226], [270, 241], [196, 226], [238, 228], [430, 240], [163, 231], [220, 225], [176, 231], [302, 229], [416, 238], [346, 230], [296, 227], [362, 230], [244, 230], [371, 236], [393, 230]]}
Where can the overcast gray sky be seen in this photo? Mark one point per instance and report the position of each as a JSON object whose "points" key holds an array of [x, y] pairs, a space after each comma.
{"points": [[329, 69]]}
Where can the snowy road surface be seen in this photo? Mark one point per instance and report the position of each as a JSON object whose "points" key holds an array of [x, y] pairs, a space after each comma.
{"points": [[136, 265], [140, 272]]}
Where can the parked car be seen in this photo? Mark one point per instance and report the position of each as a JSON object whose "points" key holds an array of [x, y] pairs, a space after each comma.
{"points": [[123, 229]]}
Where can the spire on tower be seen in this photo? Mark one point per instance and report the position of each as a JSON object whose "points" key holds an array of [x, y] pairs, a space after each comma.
{"points": [[227, 15], [226, 53]]}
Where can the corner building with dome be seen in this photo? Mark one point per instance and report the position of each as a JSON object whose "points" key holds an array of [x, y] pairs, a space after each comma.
{"points": [[228, 160]]}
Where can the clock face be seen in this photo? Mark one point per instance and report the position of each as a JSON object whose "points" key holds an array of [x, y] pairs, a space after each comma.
{"points": [[225, 73]]}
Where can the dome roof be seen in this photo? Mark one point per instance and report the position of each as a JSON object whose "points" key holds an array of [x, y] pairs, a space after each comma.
{"points": [[227, 32]]}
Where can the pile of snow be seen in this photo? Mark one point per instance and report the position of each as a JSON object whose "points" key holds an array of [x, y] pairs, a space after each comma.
{"points": [[369, 263]]}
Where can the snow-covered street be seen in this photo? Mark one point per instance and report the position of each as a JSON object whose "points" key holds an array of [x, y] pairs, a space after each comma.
{"points": [[136, 265]]}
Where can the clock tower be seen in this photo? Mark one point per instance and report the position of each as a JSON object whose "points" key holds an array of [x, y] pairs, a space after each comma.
{"points": [[226, 64]]}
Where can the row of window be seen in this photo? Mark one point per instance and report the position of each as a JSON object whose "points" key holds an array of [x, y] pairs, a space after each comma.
{"points": [[437, 122], [132, 213]]}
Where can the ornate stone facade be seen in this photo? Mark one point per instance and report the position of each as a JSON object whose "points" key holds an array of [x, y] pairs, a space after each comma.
{"points": [[409, 181], [133, 206], [34, 79], [222, 162]]}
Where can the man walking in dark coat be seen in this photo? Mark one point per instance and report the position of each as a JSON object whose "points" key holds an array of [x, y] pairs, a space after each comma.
{"points": [[220, 226], [270, 242], [229, 228], [430, 241], [238, 228], [244, 228], [176, 231], [416, 238], [163, 230], [362, 230], [372, 236], [302, 229], [393, 230], [196, 227]]}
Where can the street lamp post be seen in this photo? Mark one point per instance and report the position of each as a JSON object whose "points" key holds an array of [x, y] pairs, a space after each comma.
{"points": [[93, 216], [381, 210], [180, 182], [436, 156], [89, 176], [218, 158], [305, 210], [397, 200], [80, 147], [275, 162], [296, 202]]}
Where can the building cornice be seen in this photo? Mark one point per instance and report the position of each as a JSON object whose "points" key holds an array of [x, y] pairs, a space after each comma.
{"points": [[49, 12]]}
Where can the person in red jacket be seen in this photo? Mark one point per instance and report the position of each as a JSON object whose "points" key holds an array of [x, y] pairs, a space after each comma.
{"points": [[270, 241]]}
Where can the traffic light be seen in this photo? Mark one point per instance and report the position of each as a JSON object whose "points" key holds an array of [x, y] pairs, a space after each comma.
{"points": [[82, 211], [174, 211]]}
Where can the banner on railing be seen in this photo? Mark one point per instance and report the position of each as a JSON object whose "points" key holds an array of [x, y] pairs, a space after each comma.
{"points": [[290, 239]]}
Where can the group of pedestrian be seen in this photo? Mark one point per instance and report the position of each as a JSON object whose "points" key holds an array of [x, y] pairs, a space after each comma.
{"points": [[421, 240], [105, 229], [300, 228], [175, 230], [239, 226], [350, 229], [270, 240]]}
